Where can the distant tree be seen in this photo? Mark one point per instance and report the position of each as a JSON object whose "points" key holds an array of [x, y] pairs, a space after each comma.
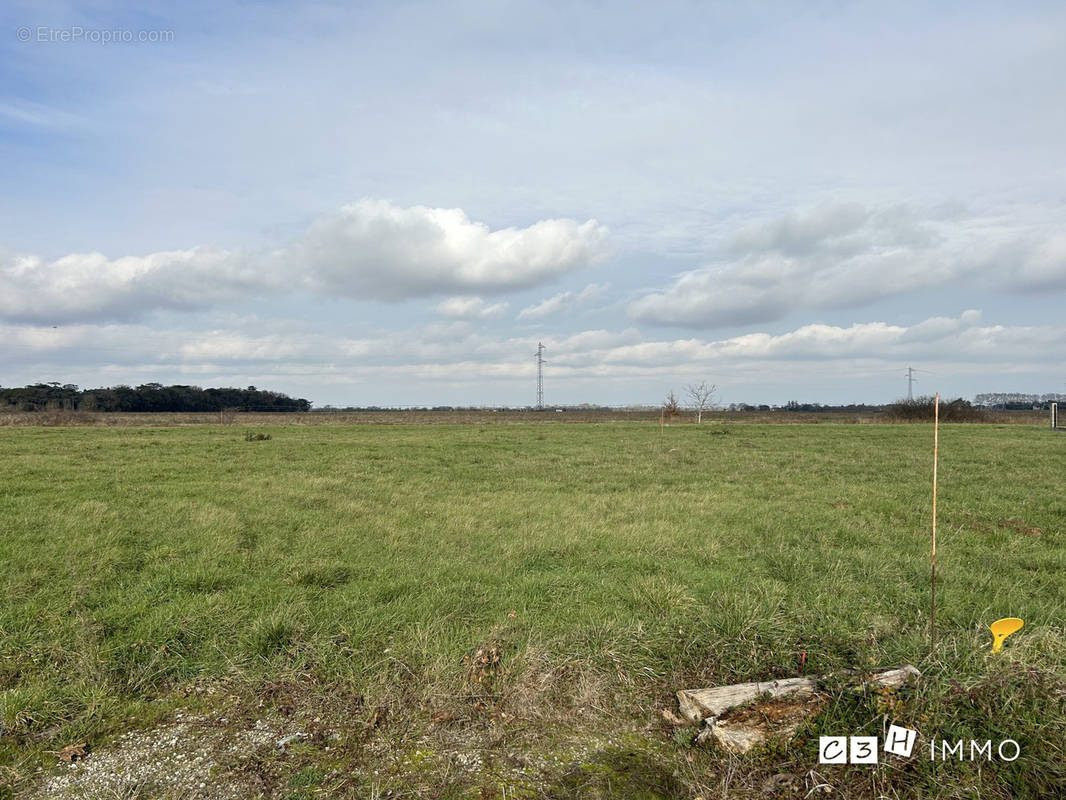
{"points": [[700, 396], [671, 407], [146, 397]]}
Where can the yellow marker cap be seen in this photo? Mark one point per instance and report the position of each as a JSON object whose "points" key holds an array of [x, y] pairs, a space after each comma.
{"points": [[1002, 628]]}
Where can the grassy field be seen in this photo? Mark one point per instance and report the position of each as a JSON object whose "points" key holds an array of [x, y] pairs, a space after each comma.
{"points": [[65, 418], [504, 610]]}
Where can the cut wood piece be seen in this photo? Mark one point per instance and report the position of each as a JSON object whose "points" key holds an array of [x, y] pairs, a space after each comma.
{"points": [[740, 729], [737, 724], [897, 676], [740, 738], [699, 704]]}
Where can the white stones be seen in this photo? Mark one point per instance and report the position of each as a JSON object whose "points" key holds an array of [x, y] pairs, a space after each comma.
{"points": [[177, 759]]}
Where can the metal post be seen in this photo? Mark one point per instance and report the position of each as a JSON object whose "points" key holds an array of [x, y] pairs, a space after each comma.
{"points": [[932, 557], [540, 376]]}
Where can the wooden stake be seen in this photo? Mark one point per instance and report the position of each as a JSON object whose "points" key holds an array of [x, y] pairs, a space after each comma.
{"points": [[932, 573]]}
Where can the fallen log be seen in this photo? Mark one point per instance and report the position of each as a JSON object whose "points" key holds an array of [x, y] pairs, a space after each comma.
{"points": [[787, 704], [699, 704]]}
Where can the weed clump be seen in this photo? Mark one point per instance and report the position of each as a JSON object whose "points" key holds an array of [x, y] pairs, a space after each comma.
{"points": [[272, 637], [324, 577]]}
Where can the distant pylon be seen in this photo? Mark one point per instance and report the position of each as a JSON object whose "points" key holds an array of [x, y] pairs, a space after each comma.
{"points": [[540, 375], [910, 383]]}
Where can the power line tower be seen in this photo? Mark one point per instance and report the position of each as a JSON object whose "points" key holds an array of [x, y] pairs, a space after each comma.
{"points": [[540, 376], [911, 380]]}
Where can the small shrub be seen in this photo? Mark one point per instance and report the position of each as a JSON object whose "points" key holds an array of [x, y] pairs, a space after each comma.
{"points": [[921, 409], [671, 406]]}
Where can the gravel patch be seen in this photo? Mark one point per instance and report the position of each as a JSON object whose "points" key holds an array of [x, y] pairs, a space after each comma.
{"points": [[180, 759]]}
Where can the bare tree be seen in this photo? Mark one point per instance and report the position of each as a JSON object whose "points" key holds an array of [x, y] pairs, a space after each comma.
{"points": [[700, 395]]}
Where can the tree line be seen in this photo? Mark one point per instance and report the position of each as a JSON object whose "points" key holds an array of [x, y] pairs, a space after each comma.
{"points": [[1016, 401], [146, 397]]}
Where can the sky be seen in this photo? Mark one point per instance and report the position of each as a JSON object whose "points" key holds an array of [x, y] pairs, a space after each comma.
{"points": [[393, 203]]}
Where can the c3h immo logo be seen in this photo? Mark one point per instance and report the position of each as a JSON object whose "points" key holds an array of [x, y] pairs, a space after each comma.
{"points": [[847, 750], [899, 741], [863, 749]]}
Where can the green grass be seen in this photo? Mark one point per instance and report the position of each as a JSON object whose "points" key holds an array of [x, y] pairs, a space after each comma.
{"points": [[608, 568]]}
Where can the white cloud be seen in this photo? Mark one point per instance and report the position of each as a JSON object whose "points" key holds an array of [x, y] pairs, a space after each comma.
{"points": [[471, 308], [424, 365], [458, 350], [375, 250], [89, 286], [1032, 263], [848, 256], [228, 346], [369, 250], [564, 301]]}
